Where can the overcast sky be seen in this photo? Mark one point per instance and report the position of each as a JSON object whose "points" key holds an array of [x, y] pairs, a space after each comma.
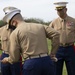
{"points": [[42, 9]]}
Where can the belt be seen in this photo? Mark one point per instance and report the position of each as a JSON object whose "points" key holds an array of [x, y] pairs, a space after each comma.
{"points": [[36, 56], [66, 44], [6, 52]]}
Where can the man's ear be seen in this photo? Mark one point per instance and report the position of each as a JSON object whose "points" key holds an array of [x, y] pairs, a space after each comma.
{"points": [[14, 22], [66, 9]]}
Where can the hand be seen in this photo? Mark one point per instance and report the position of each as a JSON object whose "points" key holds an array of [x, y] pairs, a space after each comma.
{"points": [[53, 57], [5, 60]]}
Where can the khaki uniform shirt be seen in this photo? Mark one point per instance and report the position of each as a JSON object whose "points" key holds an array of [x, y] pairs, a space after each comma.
{"points": [[4, 37], [66, 28], [30, 40]]}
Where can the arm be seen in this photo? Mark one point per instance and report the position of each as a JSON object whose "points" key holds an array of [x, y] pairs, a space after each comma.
{"points": [[14, 53], [1, 28], [54, 36]]}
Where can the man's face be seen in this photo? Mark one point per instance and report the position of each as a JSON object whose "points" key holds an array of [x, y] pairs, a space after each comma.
{"points": [[61, 12]]}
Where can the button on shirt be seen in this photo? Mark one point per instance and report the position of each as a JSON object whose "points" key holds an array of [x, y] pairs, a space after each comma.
{"points": [[66, 28]]}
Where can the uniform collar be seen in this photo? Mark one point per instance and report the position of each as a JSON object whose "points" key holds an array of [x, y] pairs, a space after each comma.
{"points": [[7, 26], [65, 19]]}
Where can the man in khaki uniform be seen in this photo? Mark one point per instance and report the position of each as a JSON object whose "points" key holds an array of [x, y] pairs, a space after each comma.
{"points": [[65, 25], [29, 39], [5, 31]]}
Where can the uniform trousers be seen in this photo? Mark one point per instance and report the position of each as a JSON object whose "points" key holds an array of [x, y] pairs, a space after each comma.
{"points": [[10, 69], [67, 55], [39, 66]]}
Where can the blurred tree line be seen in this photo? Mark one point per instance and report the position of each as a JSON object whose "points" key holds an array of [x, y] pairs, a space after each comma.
{"points": [[35, 20], [2, 23], [30, 20]]}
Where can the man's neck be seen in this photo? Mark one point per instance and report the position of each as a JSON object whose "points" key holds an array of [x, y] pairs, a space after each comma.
{"points": [[63, 17]]}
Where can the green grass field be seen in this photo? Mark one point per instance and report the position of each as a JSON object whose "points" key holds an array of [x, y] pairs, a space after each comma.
{"points": [[49, 47]]}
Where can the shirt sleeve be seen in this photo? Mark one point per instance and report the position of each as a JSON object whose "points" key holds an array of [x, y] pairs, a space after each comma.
{"points": [[54, 36], [14, 53], [51, 25]]}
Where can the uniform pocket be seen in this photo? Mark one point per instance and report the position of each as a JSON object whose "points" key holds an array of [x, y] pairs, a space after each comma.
{"points": [[59, 29], [4, 42], [28, 67], [70, 28], [4, 38]]}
